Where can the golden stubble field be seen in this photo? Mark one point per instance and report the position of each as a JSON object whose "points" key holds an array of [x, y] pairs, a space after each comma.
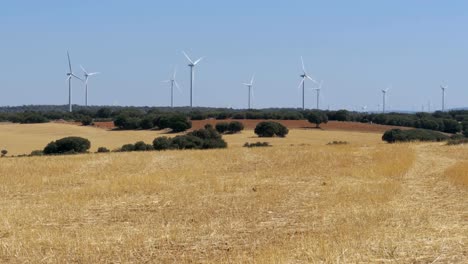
{"points": [[299, 201]]}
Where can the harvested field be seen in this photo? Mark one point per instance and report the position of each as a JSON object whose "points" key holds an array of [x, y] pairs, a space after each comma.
{"points": [[300, 201]]}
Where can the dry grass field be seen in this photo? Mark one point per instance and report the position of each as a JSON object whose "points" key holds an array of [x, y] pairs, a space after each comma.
{"points": [[300, 201]]}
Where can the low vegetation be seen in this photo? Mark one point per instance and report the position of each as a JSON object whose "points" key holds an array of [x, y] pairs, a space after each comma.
{"points": [[256, 144], [229, 127], [338, 143], [4, 152], [398, 135], [317, 118], [205, 138], [68, 145], [271, 129]]}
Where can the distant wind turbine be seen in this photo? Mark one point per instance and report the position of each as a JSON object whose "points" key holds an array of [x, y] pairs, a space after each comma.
{"points": [[249, 86], [87, 75], [192, 65], [384, 95], [443, 87], [304, 76], [318, 93], [70, 74], [173, 83]]}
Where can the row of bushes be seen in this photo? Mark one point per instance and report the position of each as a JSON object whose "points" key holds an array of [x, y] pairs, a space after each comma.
{"points": [[230, 128], [398, 135]]}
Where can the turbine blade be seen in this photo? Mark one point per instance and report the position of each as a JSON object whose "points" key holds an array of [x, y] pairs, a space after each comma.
{"points": [[93, 73], [175, 72], [300, 84], [187, 56], [197, 61], [177, 86], [69, 61], [165, 81], [303, 66], [83, 69], [308, 77], [76, 77], [252, 80]]}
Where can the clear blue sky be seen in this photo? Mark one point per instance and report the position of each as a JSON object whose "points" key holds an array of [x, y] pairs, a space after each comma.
{"points": [[357, 47]]}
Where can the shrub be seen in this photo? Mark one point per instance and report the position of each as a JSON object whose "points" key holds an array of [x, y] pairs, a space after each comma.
{"points": [[4, 152], [142, 146], [342, 115], [270, 129], [398, 135], [124, 121], [457, 141], [103, 150], [37, 153], [177, 123], [162, 143], [68, 145], [317, 118], [338, 143], [452, 126], [222, 127], [147, 122], [465, 133], [235, 127], [127, 147], [86, 121], [257, 144], [197, 139]]}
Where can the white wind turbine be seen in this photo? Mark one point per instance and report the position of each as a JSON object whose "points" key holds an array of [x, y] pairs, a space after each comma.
{"points": [[192, 65], [249, 86], [87, 75], [384, 95], [304, 76], [364, 108], [70, 74], [173, 83], [443, 87], [318, 93]]}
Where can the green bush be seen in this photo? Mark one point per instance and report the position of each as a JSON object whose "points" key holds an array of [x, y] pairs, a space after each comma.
{"points": [[197, 139], [4, 152], [317, 118], [68, 145], [177, 123], [86, 121], [235, 127], [162, 143], [142, 146], [271, 129], [222, 127], [465, 133], [103, 150], [37, 153], [338, 143], [127, 147], [457, 141], [257, 144], [398, 135]]}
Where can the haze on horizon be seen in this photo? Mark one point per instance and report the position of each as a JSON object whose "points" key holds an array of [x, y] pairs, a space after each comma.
{"points": [[356, 47]]}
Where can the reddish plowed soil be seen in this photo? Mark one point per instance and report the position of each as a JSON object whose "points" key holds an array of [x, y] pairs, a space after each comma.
{"points": [[291, 124]]}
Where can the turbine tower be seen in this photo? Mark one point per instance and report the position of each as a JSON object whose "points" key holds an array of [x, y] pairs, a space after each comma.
{"points": [[384, 95], [173, 83], [304, 76], [443, 87], [249, 86], [70, 74], [318, 93], [87, 75], [192, 65]]}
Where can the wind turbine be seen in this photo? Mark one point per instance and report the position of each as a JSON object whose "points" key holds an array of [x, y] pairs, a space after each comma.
{"points": [[173, 83], [87, 75], [192, 65], [318, 93], [304, 76], [384, 94], [70, 74], [443, 87], [364, 108], [249, 86]]}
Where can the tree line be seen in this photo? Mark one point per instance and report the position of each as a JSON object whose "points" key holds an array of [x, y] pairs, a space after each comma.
{"points": [[454, 121]]}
